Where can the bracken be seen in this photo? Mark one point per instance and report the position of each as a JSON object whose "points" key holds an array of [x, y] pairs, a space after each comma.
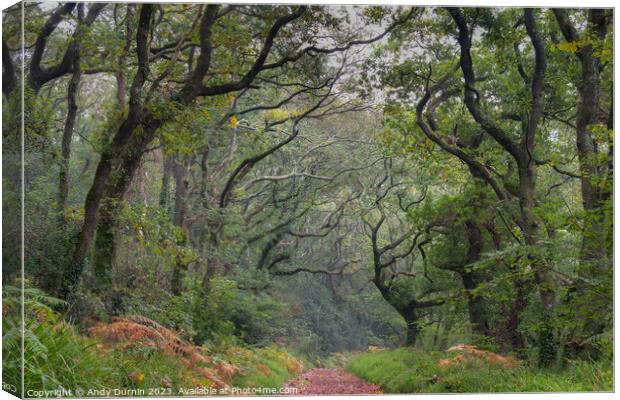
{"points": [[470, 352], [136, 330]]}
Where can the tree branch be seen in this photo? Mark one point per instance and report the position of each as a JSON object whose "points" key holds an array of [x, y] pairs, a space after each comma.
{"points": [[472, 99], [260, 60], [40, 76]]}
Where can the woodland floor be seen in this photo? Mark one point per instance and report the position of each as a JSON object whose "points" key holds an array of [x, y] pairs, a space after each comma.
{"points": [[321, 381]]}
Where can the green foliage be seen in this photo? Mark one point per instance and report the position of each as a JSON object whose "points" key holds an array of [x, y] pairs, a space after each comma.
{"points": [[55, 355], [409, 371], [288, 259], [267, 367], [546, 346], [227, 311], [156, 234]]}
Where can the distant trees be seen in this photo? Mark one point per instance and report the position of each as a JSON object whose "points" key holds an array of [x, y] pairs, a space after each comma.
{"points": [[387, 257]]}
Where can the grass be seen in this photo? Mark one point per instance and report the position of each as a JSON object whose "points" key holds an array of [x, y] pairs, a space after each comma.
{"points": [[263, 368], [54, 359], [59, 357], [62, 358], [407, 371]]}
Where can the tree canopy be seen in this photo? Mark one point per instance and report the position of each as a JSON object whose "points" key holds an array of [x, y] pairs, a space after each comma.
{"points": [[325, 178]]}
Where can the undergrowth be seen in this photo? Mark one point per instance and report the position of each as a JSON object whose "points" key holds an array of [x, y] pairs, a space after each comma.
{"points": [[264, 367], [408, 371], [131, 352]]}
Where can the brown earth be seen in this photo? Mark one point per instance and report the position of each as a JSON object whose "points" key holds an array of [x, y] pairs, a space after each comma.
{"points": [[325, 381]]}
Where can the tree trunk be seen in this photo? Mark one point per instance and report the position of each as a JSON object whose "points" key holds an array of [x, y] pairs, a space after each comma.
{"points": [[106, 232], [413, 330], [513, 319], [530, 228], [475, 303], [121, 78], [475, 306], [544, 279], [65, 154], [122, 155], [105, 245], [594, 260], [178, 218], [165, 181], [214, 265], [508, 334], [181, 184], [595, 263]]}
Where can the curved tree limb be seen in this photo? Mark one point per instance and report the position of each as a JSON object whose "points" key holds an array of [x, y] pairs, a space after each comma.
{"points": [[39, 75]]}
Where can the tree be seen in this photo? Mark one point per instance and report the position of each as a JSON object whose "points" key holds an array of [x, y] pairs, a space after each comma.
{"points": [[126, 147], [595, 166]]}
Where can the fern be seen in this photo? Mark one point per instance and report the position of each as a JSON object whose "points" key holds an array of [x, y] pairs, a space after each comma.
{"points": [[36, 303], [135, 331], [33, 346], [55, 356]]}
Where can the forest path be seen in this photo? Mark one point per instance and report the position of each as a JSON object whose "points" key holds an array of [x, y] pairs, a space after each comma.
{"points": [[320, 381]]}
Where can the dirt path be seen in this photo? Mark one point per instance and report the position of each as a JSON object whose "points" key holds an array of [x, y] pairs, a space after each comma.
{"points": [[319, 381]]}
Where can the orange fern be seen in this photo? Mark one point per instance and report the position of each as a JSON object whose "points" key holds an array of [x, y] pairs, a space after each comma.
{"points": [[470, 352], [136, 330]]}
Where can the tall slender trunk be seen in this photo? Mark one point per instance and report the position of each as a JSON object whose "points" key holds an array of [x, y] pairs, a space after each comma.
{"points": [[180, 181], [121, 77], [67, 135], [531, 233], [215, 265], [204, 178], [164, 192], [178, 219]]}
